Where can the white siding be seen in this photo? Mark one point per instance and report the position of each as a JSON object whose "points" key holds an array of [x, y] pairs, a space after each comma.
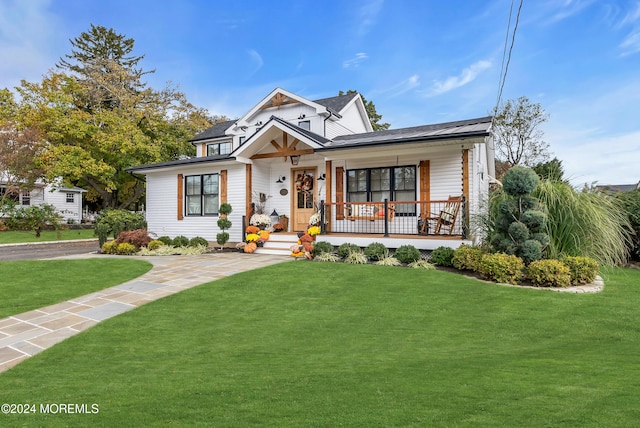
{"points": [[162, 209], [70, 211]]}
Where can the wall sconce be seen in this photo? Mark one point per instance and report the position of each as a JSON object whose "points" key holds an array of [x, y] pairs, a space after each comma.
{"points": [[243, 128], [302, 116], [281, 179], [322, 177], [259, 123], [295, 159]]}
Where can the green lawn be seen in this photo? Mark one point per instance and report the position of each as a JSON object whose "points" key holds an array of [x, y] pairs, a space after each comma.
{"points": [[27, 285], [313, 344], [19, 236]]}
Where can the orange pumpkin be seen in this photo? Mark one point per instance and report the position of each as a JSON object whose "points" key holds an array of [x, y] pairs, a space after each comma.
{"points": [[250, 247]]}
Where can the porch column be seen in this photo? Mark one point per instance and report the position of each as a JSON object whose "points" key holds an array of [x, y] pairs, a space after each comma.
{"points": [[328, 181], [248, 191]]}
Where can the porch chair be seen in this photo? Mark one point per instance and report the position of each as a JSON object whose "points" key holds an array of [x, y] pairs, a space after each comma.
{"points": [[446, 219]]}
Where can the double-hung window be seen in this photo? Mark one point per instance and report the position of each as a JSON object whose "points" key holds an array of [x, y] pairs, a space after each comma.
{"points": [[377, 184], [201, 194], [70, 198], [218, 149]]}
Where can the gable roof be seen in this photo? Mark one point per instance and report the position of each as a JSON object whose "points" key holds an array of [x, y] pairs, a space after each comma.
{"points": [[441, 131], [216, 131], [336, 104]]}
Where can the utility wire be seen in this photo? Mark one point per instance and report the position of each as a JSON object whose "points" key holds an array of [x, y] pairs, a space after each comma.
{"points": [[503, 72]]}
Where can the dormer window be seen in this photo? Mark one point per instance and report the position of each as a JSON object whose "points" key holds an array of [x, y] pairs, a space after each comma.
{"points": [[219, 148], [305, 124], [242, 140]]}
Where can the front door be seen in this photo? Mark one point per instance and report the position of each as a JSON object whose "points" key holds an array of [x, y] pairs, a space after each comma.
{"points": [[304, 197]]}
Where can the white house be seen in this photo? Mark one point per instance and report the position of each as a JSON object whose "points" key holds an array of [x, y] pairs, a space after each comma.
{"points": [[66, 200], [302, 156]]}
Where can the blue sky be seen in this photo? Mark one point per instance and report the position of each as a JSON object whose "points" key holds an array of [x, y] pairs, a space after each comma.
{"points": [[420, 61]]}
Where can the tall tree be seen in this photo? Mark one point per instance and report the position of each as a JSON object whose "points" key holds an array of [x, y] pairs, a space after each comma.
{"points": [[374, 117], [101, 118], [550, 170], [19, 150], [517, 134]]}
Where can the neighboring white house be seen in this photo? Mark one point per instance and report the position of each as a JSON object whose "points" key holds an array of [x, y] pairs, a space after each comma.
{"points": [[303, 156], [66, 200]]}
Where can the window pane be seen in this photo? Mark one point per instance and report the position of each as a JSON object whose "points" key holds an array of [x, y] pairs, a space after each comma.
{"points": [[405, 178], [210, 184], [380, 196], [211, 204], [193, 185], [193, 205], [225, 148]]}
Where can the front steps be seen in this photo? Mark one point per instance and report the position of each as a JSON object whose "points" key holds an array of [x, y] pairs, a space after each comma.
{"points": [[279, 243]]}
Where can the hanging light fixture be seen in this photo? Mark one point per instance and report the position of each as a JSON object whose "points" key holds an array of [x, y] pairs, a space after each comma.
{"points": [[295, 159]]}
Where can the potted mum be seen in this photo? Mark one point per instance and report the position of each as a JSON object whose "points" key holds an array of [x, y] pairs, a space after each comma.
{"points": [[261, 221]]}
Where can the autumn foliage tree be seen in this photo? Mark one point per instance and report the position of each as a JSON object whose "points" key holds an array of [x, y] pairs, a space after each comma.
{"points": [[99, 118]]}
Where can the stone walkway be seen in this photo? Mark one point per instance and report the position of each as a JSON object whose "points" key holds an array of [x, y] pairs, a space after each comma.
{"points": [[29, 333]]}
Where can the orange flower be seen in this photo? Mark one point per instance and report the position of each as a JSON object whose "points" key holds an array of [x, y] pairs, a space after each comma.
{"points": [[252, 229]]}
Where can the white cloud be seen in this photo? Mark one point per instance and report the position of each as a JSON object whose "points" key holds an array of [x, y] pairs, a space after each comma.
{"points": [[631, 44], [568, 8], [468, 75], [403, 86], [367, 16], [355, 61]]}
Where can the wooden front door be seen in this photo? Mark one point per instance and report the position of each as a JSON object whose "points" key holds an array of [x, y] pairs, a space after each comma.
{"points": [[304, 197]]}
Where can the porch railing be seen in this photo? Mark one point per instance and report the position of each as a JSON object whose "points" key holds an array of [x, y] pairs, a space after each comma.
{"points": [[395, 218]]}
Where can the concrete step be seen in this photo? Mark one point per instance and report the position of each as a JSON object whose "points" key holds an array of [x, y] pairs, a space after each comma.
{"points": [[278, 243]]}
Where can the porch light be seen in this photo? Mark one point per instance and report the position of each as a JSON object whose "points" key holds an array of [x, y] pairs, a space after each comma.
{"points": [[281, 179], [295, 159], [322, 177]]}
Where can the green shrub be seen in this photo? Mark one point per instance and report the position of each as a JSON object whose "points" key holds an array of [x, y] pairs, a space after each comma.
{"points": [[225, 209], [530, 251], [111, 222], [422, 264], [518, 231], [356, 258], [138, 237], [180, 241], [345, 249], [549, 273], [375, 251], [520, 181], [407, 254], [34, 218], [322, 247], [442, 256], [110, 247], [388, 260], [327, 257], [155, 244], [166, 240], [198, 240], [126, 249], [583, 269], [500, 267], [467, 257]]}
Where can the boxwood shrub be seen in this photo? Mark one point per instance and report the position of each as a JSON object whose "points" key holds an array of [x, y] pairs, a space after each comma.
{"points": [[198, 240], [549, 273], [500, 267], [442, 256], [322, 247], [466, 257], [180, 241], [375, 251], [407, 254], [345, 249], [583, 269]]}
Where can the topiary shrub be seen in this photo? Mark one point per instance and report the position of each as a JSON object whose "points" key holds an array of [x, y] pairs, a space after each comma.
{"points": [[442, 256], [154, 244], [549, 273], [583, 269], [407, 254], [166, 240], [126, 249], [375, 251], [110, 247], [180, 241], [223, 224], [500, 267], [466, 257], [139, 238], [345, 249], [198, 240], [519, 226], [322, 247]]}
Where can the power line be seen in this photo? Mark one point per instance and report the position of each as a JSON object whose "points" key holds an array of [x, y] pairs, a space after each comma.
{"points": [[505, 69]]}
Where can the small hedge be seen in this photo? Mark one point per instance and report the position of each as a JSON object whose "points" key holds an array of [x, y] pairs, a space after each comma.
{"points": [[375, 251], [583, 269], [549, 273], [198, 240], [466, 257], [442, 256], [155, 244], [180, 241], [407, 254], [500, 267], [345, 249], [166, 240], [322, 247]]}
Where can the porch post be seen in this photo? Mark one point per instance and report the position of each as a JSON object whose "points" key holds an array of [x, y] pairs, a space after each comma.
{"points": [[322, 225], [386, 217]]}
